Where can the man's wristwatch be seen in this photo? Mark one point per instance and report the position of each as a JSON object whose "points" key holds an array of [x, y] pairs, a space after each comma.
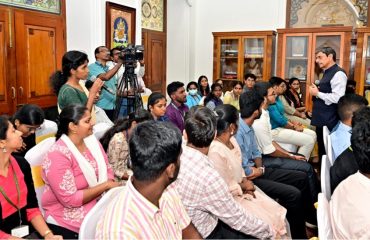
{"points": [[262, 170]]}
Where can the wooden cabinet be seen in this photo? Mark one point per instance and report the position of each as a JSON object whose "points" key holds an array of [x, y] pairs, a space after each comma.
{"points": [[31, 48], [238, 53], [296, 53], [362, 68]]}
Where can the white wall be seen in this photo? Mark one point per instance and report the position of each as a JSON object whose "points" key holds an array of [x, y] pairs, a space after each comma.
{"points": [[86, 23], [189, 36]]}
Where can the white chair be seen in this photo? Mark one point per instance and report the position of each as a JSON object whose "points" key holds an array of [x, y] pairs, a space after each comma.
{"points": [[325, 177], [88, 226], [323, 218], [325, 135], [329, 151], [47, 129], [34, 157]]}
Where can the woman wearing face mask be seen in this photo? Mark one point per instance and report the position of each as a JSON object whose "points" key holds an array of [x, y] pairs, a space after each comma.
{"points": [[193, 97]]}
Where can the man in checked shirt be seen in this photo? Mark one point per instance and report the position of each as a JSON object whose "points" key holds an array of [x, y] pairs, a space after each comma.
{"points": [[204, 193]]}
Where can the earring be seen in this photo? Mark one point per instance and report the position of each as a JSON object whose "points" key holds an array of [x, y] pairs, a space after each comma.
{"points": [[4, 150], [232, 132]]}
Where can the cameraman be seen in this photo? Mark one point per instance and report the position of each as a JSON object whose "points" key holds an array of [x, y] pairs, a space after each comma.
{"points": [[100, 69], [139, 69]]}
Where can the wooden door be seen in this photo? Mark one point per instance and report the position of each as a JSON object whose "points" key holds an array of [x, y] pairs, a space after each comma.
{"points": [[40, 44], [7, 81], [155, 59]]}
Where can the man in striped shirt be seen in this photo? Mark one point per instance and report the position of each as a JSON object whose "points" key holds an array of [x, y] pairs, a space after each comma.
{"points": [[149, 207], [203, 191]]}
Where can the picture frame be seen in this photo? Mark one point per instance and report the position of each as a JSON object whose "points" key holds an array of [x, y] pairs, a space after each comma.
{"points": [[47, 6], [120, 25], [298, 69], [299, 47]]}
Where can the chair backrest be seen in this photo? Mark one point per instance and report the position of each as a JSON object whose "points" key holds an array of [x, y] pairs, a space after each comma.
{"points": [[47, 129], [325, 177], [323, 218], [88, 226], [34, 157], [329, 152], [325, 135]]}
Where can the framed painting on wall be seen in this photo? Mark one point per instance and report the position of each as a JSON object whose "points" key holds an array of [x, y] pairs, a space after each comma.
{"points": [[49, 6], [120, 25]]}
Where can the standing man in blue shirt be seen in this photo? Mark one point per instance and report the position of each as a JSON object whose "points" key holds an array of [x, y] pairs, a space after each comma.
{"points": [[99, 69]]}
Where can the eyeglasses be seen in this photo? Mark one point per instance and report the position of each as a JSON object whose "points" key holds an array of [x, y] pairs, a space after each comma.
{"points": [[193, 88]]}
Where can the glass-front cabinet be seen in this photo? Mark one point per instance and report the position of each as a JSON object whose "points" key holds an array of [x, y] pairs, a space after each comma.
{"points": [[362, 68], [296, 53], [238, 53]]}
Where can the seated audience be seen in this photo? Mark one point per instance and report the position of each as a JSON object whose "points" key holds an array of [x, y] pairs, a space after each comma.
{"points": [[274, 155], [203, 86], [27, 120], [204, 193], [289, 186], [157, 105], [290, 111], [341, 133], [177, 108], [76, 172], [350, 218], [219, 81], [285, 131], [225, 154], [346, 164], [115, 142], [18, 203], [293, 93], [249, 81], [213, 99], [193, 98], [232, 97], [66, 83], [150, 206]]}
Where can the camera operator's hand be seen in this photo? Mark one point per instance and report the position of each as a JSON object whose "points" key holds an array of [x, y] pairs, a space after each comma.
{"points": [[141, 62]]}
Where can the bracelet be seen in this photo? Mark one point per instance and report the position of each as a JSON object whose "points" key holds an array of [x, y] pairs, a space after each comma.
{"points": [[46, 233]]}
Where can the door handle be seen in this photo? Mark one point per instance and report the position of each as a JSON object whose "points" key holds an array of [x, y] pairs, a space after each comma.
{"points": [[21, 91], [13, 92]]}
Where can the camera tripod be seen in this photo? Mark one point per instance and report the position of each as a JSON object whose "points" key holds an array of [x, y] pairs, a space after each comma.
{"points": [[128, 96]]}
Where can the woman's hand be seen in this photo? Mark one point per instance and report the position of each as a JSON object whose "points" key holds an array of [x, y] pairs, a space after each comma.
{"points": [[54, 237], [95, 88], [112, 184]]}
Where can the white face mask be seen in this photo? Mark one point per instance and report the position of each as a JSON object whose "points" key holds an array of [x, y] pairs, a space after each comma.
{"points": [[193, 91]]}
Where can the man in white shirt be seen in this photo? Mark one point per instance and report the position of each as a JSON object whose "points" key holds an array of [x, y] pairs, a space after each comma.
{"points": [[350, 217]]}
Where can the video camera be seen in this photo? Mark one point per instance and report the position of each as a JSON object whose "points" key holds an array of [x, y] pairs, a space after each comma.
{"points": [[131, 54]]}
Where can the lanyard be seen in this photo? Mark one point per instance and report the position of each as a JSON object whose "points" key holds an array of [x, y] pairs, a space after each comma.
{"points": [[18, 195], [181, 112]]}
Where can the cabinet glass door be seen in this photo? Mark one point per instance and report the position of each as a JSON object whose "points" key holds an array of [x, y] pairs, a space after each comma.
{"points": [[229, 59], [296, 57], [333, 41], [254, 50], [367, 70]]}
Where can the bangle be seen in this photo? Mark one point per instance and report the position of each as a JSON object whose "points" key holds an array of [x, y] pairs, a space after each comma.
{"points": [[47, 232]]}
